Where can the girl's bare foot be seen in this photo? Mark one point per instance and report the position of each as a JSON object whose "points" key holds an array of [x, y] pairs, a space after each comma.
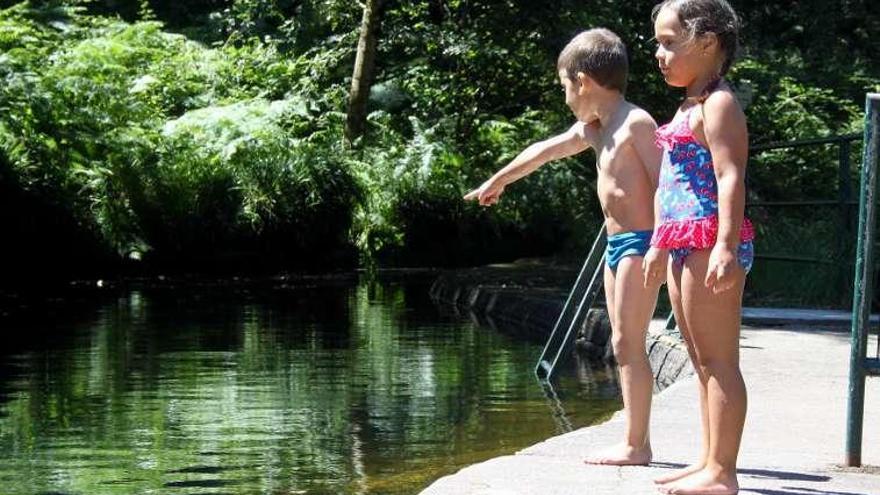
{"points": [[703, 482], [621, 455], [679, 474]]}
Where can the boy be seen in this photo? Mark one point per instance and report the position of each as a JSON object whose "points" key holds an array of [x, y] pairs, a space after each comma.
{"points": [[593, 72]]}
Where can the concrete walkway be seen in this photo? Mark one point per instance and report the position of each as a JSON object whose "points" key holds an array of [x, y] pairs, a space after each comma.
{"points": [[794, 439]]}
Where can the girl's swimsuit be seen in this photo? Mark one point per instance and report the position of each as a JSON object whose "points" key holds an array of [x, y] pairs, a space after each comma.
{"points": [[689, 196]]}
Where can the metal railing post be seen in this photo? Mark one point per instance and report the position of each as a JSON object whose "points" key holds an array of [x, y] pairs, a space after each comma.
{"points": [[863, 283]]}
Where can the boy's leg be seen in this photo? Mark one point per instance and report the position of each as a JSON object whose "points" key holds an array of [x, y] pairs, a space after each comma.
{"points": [[714, 325], [609, 453], [673, 286], [630, 309]]}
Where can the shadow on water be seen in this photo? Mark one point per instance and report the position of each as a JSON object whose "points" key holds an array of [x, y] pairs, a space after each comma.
{"points": [[359, 388], [204, 469], [199, 484]]}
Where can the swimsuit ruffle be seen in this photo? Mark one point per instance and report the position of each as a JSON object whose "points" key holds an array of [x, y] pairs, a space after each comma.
{"points": [[697, 233], [675, 132], [668, 140]]}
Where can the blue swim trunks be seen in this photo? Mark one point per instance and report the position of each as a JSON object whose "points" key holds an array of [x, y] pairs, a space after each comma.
{"points": [[625, 244]]}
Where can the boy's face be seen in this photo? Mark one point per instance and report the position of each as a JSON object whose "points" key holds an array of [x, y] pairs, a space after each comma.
{"points": [[574, 94]]}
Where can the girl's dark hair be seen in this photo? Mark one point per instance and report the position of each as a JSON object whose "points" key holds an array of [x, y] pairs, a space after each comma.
{"points": [[700, 17]]}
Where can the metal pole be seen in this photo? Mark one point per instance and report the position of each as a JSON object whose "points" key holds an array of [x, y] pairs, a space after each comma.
{"points": [[670, 321], [862, 286]]}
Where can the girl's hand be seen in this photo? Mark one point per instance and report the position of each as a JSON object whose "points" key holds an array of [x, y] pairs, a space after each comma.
{"points": [[487, 194], [721, 274], [654, 266]]}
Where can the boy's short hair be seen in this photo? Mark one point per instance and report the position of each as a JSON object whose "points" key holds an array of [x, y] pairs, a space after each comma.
{"points": [[598, 53]]}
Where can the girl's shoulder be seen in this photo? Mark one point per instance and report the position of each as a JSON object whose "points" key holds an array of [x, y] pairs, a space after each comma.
{"points": [[721, 107], [720, 118], [721, 97]]}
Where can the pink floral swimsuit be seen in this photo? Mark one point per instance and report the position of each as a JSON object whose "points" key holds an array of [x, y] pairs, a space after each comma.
{"points": [[689, 196]]}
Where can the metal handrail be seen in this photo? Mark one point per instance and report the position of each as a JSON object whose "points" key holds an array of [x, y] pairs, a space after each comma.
{"points": [[845, 201], [799, 143], [580, 300]]}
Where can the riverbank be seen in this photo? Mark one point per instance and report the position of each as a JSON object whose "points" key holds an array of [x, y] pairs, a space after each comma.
{"points": [[796, 366]]}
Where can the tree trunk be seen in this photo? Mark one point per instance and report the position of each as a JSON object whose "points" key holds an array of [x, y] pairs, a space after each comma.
{"points": [[436, 11], [364, 67]]}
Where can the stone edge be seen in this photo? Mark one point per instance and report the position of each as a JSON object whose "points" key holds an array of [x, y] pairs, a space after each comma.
{"points": [[536, 311]]}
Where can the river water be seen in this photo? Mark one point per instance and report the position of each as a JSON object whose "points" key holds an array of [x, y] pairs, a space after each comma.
{"points": [[349, 387]]}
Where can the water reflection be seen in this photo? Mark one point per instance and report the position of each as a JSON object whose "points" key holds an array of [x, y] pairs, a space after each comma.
{"points": [[356, 389]]}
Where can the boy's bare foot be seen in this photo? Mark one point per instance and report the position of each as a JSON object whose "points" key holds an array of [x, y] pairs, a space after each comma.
{"points": [[679, 474], [703, 482], [621, 455]]}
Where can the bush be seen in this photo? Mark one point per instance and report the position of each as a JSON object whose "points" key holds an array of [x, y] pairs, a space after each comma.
{"points": [[127, 131], [228, 182], [415, 214]]}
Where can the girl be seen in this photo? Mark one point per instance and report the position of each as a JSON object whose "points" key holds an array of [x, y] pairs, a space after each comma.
{"points": [[700, 200]]}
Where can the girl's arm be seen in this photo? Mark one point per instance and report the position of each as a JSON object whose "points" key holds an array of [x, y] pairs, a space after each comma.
{"points": [[571, 142], [727, 136], [655, 261], [724, 125]]}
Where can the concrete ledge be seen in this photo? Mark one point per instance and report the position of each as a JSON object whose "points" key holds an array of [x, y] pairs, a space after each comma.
{"points": [[827, 318]]}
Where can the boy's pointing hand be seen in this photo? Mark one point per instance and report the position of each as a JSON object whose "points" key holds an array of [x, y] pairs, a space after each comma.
{"points": [[487, 194]]}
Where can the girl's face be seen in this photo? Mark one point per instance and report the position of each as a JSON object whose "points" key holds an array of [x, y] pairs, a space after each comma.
{"points": [[681, 59]]}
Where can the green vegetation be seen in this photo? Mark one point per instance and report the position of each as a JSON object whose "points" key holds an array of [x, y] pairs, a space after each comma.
{"points": [[207, 135]]}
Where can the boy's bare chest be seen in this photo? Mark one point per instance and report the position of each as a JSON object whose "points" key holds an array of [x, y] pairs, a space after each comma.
{"points": [[613, 158]]}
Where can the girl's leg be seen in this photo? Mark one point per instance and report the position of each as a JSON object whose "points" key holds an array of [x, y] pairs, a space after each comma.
{"points": [[673, 285], [630, 307], [714, 326]]}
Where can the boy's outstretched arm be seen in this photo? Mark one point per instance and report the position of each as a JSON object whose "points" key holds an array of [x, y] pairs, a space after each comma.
{"points": [[576, 139]]}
